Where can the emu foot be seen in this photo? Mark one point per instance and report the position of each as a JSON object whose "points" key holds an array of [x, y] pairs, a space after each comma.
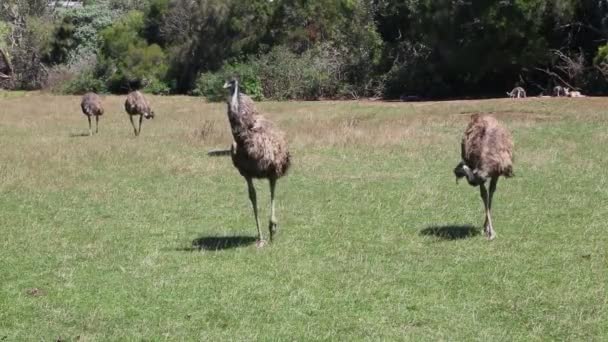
{"points": [[489, 233], [273, 228], [261, 243]]}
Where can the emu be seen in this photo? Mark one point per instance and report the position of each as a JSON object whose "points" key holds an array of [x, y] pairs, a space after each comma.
{"points": [[136, 104], [91, 106], [517, 92], [487, 153], [259, 150]]}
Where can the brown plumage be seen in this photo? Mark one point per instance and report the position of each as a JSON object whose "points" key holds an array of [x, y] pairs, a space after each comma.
{"points": [[136, 104], [91, 106], [487, 153], [259, 150]]}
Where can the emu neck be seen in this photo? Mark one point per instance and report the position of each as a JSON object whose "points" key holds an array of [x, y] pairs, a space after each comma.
{"points": [[240, 119], [234, 101], [473, 178]]}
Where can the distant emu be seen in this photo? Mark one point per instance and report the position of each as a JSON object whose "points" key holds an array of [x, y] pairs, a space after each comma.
{"points": [[559, 91], [517, 92], [91, 106], [259, 150], [136, 104], [487, 153]]}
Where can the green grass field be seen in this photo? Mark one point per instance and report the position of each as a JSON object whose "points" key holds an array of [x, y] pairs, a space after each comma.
{"points": [[113, 237]]}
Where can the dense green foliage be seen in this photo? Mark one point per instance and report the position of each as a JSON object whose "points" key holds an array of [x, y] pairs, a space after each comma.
{"points": [[304, 49], [129, 60], [77, 35]]}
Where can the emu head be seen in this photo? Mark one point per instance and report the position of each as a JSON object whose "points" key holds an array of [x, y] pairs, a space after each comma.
{"points": [[473, 178], [233, 102], [459, 171], [231, 84], [149, 115]]}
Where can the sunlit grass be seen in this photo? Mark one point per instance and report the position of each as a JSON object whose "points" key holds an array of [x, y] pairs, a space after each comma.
{"points": [[121, 238]]}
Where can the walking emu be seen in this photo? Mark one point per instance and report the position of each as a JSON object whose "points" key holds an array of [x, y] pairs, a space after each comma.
{"points": [[487, 153], [259, 150], [137, 104], [91, 106]]}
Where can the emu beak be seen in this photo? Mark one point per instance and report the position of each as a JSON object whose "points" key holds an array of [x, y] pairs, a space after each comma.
{"points": [[226, 85]]}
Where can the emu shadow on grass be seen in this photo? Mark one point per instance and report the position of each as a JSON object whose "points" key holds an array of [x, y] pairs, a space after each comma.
{"points": [[451, 232], [217, 243]]}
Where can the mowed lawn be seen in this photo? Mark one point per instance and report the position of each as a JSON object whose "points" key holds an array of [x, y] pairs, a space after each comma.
{"points": [[113, 237]]}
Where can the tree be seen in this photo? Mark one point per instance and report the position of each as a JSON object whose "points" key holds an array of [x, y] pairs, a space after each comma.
{"points": [[456, 48], [129, 62], [29, 27], [77, 35], [205, 34], [154, 17]]}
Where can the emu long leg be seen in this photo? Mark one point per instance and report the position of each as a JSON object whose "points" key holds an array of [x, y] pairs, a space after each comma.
{"points": [[272, 226], [493, 184], [254, 204], [488, 230], [90, 129], [141, 117], [133, 124], [96, 124]]}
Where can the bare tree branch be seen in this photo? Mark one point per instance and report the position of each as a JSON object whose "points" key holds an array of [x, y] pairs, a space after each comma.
{"points": [[573, 67], [587, 26], [603, 69], [555, 75]]}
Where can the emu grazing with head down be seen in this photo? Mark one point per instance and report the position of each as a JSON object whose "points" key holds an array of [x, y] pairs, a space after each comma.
{"points": [[137, 104], [91, 106], [487, 153], [259, 150]]}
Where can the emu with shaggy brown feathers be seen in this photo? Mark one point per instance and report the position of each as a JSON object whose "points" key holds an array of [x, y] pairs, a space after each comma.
{"points": [[487, 153], [136, 104], [91, 106], [259, 150]]}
